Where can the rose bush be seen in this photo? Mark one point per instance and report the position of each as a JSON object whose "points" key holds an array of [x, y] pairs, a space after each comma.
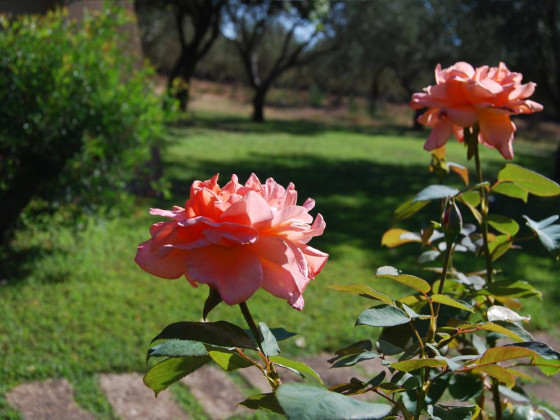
{"points": [[237, 239], [465, 96]]}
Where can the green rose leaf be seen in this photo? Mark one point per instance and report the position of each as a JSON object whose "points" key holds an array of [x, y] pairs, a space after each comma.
{"points": [[503, 224], [383, 316], [445, 412], [352, 359], [300, 368], [465, 387], [514, 395], [472, 198], [219, 333], [165, 373], [177, 348], [405, 380], [413, 282], [547, 232], [499, 246], [435, 192], [516, 329], [448, 301], [363, 290], [530, 181], [513, 288], [269, 343], [228, 359], [358, 347], [511, 190], [407, 209], [266, 402], [282, 334], [305, 402]]}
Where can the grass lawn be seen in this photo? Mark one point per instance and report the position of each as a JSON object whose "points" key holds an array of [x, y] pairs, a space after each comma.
{"points": [[75, 304]]}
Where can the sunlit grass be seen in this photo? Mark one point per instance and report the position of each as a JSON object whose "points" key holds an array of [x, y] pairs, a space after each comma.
{"points": [[79, 305]]}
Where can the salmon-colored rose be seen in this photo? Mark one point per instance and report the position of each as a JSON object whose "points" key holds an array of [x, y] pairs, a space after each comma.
{"points": [[236, 239], [464, 96]]}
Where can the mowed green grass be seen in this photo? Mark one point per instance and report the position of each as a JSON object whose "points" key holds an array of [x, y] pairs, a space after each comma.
{"points": [[75, 303]]}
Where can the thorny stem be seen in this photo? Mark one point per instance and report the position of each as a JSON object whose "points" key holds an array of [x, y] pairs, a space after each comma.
{"points": [[270, 372]]}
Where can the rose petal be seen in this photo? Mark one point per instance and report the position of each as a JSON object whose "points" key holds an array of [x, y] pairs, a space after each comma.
{"points": [[235, 272], [251, 210], [497, 130], [170, 266], [439, 134]]}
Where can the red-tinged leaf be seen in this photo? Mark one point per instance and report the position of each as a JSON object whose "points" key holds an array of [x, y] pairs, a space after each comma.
{"points": [[501, 354], [414, 282], [407, 209], [460, 170], [396, 237], [498, 372], [410, 365], [363, 290]]}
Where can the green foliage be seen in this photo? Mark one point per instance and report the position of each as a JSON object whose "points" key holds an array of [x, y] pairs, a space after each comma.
{"points": [[165, 373], [77, 114], [306, 402]]}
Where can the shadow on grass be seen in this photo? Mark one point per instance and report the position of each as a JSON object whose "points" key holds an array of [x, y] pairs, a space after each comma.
{"points": [[356, 197], [294, 127]]}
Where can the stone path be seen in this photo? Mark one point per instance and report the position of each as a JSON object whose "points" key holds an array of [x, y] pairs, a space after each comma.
{"points": [[214, 389], [47, 400]]}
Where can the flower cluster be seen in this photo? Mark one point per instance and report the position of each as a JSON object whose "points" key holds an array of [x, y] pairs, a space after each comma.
{"points": [[465, 96], [237, 239]]}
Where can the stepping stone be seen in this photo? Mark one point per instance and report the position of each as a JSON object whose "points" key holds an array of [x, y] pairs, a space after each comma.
{"points": [[132, 400], [47, 400], [215, 392]]}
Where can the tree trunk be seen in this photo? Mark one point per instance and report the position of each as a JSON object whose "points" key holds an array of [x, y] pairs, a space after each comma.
{"points": [[184, 69], [374, 92], [258, 104]]}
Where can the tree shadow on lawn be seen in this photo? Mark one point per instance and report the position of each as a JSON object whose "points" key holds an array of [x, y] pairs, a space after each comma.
{"points": [[295, 127], [356, 197]]}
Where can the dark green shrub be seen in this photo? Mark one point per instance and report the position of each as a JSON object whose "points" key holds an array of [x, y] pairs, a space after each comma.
{"points": [[77, 114]]}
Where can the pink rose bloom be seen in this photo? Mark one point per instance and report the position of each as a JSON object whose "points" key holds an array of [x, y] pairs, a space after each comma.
{"points": [[464, 96], [236, 239]]}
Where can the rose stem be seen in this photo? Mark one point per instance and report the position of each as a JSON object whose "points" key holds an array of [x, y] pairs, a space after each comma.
{"points": [[256, 333], [489, 270]]}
